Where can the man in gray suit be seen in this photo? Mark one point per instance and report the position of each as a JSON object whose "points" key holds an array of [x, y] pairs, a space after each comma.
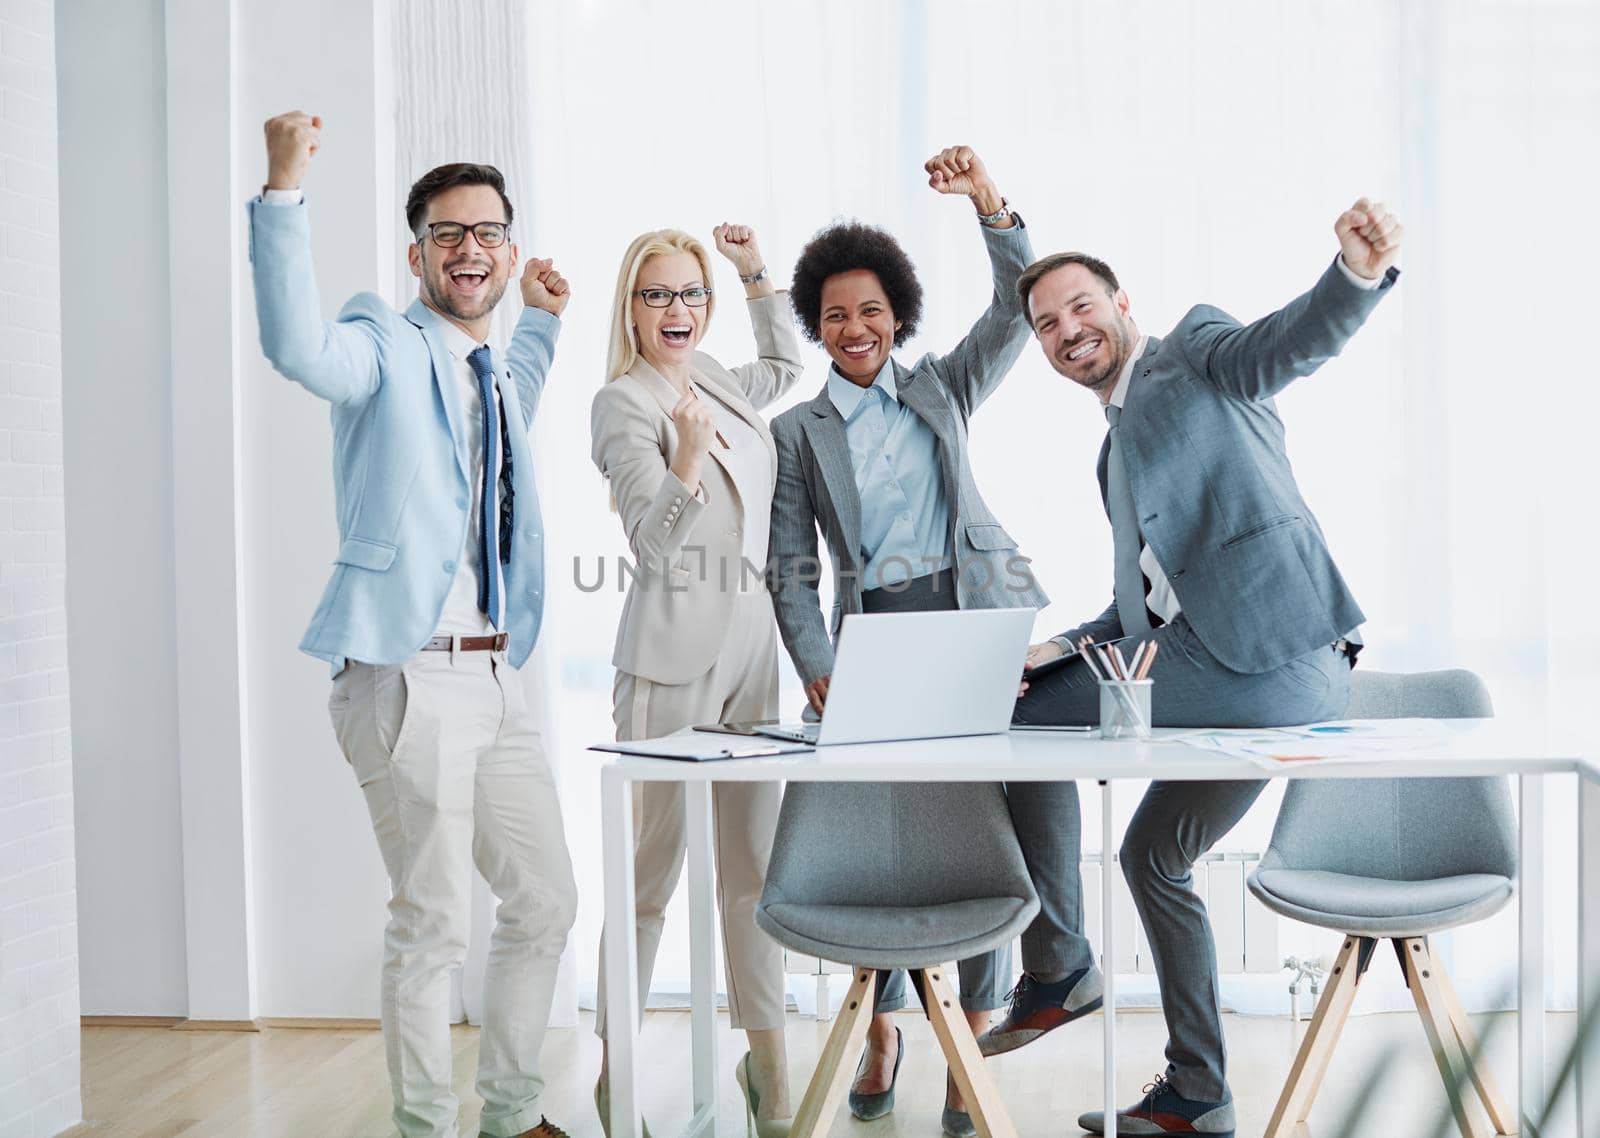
{"points": [[878, 460], [1219, 561]]}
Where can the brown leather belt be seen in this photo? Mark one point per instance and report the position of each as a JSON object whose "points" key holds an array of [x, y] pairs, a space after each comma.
{"points": [[495, 643]]}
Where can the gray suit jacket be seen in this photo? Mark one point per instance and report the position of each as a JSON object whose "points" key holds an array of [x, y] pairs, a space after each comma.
{"points": [[817, 484], [1212, 486]]}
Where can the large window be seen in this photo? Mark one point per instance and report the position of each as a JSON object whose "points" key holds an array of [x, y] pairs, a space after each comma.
{"points": [[1204, 149]]}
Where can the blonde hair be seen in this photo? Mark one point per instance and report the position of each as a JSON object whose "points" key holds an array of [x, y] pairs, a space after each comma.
{"points": [[623, 351]]}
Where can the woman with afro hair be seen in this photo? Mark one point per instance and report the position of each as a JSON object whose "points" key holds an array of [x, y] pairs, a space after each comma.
{"points": [[878, 461]]}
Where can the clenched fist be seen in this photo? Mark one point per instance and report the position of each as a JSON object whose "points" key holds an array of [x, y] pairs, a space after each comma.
{"points": [[738, 244], [957, 170], [1369, 238], [543, 287], [697, 429], [291, 141]]}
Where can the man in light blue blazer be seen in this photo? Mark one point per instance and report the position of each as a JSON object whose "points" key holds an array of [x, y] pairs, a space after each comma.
{"points": [[1220, 563], [435, 601]]}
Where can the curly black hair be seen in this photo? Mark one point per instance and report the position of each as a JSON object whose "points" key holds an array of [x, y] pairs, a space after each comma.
{"points": [[842, 247]]}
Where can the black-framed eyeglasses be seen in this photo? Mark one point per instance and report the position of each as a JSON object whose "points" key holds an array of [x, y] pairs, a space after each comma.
{"points": [[449, 234], [695, 296]]}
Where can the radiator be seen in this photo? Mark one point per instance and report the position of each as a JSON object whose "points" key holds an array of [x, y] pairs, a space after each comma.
{"points": [[1246, 932]]}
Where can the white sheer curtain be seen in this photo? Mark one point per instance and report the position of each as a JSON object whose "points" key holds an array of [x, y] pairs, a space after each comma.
{"points": [[1204, 149], [462, 95]]}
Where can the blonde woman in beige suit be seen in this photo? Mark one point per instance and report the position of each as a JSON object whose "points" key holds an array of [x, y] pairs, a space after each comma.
{"points": [[691, 466]]}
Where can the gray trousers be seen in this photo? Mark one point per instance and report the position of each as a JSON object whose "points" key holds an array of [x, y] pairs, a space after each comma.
{"points": [[1175, 823], [984, 979]]}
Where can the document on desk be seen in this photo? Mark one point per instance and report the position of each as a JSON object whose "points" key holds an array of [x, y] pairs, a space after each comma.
{"points": [[1350, 740], [703, 748]]}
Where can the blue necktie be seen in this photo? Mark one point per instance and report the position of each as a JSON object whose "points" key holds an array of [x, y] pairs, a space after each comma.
{"points": [[488, 523]]}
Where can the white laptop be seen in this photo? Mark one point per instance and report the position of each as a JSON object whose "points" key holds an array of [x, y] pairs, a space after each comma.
{"points": [[920, 675]]}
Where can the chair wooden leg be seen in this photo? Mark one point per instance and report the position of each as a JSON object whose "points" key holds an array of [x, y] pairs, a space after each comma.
{"points": [[835, 1068], [1482, 1080], [1422, 977], [1311, 1061], [989, 1115]]}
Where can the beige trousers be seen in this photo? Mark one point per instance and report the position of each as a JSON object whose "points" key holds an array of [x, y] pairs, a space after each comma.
{"points": [[741, 685], [454, 773]]}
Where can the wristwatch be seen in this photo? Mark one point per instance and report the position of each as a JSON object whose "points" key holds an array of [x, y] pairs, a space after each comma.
{"points": [[754, 277], [995, 218]]}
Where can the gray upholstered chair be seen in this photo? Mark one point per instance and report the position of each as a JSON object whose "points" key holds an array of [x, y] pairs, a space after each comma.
{"points": [[1394, 859], [897, 875]]}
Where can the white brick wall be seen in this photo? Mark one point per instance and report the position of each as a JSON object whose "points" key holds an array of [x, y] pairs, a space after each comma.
{"points": [[39, 1093]]}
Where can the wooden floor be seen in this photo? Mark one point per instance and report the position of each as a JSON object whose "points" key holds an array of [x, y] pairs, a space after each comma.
{"points": [[143, 1082]]}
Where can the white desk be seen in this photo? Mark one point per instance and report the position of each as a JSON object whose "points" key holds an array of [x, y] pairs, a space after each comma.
{"points": [[1473, 748]]}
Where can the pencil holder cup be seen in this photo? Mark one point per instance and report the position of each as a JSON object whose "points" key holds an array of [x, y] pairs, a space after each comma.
{"points": [[1125, 709]]}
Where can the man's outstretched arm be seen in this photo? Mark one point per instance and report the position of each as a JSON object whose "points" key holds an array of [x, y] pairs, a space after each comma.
{"points": [[340, 360], [1255, 361]]}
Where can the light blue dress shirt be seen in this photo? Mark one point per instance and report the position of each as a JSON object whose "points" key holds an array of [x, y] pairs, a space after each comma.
{"points": [[905, 516]]}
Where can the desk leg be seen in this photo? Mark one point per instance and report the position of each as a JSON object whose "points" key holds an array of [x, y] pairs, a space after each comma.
{"points": [[622, 952], [1108, 956], [1588, 949], [702, 956], [1530, 958]]}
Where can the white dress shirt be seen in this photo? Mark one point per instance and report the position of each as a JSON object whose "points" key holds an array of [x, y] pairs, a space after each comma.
{"points": [[749, 465], [461, 615]]}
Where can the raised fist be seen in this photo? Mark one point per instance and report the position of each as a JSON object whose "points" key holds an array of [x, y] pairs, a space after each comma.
{"points": [[697, 429], [1369, 238], [291, 141], [543, 287], [957, 170], [738, 244]]}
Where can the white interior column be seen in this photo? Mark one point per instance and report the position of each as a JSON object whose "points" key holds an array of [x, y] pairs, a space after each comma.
{"points": [[320, 888], [213, 758], [464, 93]]}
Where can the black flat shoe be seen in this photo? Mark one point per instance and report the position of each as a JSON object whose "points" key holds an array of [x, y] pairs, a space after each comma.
{"points": [[868, 1107]]}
